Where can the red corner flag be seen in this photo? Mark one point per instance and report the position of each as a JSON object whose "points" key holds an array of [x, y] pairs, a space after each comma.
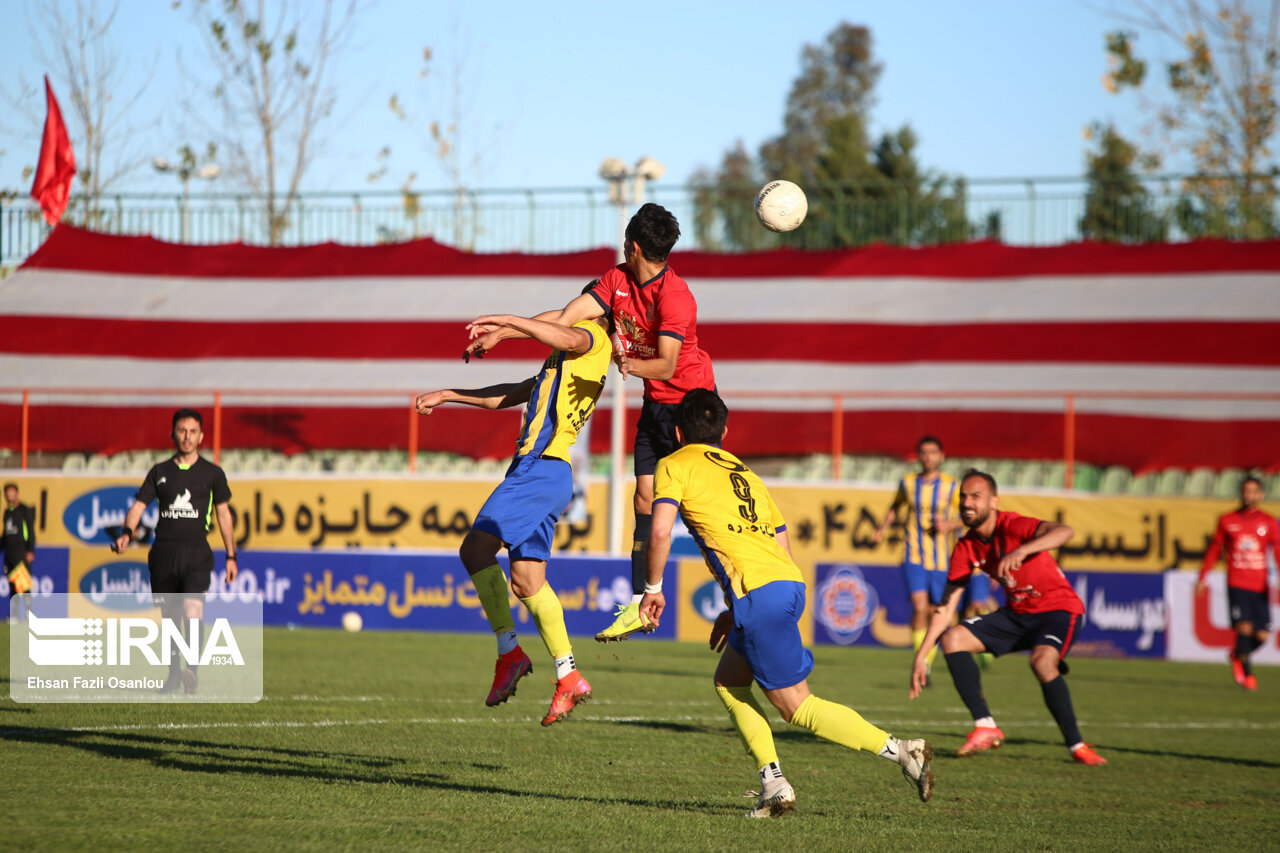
{"points": [[52, 187]]}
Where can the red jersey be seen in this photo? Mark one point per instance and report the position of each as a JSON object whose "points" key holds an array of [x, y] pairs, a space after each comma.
{"points": [[1037, 586], [644, 312], [1246, 534]]}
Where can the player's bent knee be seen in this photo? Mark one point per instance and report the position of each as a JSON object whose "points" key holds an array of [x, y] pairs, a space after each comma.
{"points": [[1244, 627]]}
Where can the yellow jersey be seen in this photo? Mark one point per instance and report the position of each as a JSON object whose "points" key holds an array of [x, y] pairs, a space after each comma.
{"points": [[940, 497], [564, 394], [729, 513]]}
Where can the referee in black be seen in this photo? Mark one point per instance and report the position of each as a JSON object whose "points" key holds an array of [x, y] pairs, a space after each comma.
{"points": [[191, 491]]}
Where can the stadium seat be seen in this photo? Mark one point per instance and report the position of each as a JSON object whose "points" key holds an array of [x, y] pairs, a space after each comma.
{"points": [[1003, 471], [1028, 475], [1144, 484], [302, 463], [1171, 482], [73, 462], [1115, 480], [97, 463], [120, 463], [1228, 482], [1272, 484], [1200, 483], [1085, 478]]}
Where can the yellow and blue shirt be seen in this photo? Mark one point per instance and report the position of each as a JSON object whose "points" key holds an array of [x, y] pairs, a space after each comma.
{"points": [[925, 499], [730, 514], [564, 394]]}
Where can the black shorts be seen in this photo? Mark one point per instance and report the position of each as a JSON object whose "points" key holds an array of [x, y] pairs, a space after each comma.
{"points": [[180, 567], [655, 435], [1249, 606], [1005, 631]]}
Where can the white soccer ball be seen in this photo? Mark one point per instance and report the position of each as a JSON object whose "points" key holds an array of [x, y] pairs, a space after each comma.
{"points": [[781, 206], [351, 621]]}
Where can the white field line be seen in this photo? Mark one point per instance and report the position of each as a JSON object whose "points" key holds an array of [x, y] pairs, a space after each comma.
{"points": [[903, 724]]}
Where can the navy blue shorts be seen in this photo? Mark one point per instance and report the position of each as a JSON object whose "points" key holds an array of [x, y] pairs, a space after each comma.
{"points": [[655, 435], [766, 631], [522, 511], [1249, 606], [917, 578], [1004, 631]]}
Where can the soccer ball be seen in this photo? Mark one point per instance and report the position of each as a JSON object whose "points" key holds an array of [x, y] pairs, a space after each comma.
{"points": [[781, 206], [351, 621]]}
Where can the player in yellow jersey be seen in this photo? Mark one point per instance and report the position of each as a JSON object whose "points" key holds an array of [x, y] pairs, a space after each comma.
{"points": [[743, 538], [928, 503], [521, 513]]}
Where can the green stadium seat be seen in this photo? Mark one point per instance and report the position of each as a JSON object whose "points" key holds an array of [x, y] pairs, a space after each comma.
{"points": [[1272, 484], [1028, 475], [1171, 482], [96, 463], [1228, 482], [1144, 484], [1003, 470], [74, 462], [1200, 483], [121, 463], [1115, 480], [1085, 478]]}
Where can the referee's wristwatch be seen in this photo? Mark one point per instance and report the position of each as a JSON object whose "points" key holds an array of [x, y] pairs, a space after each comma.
{"points": [[232, 557]]}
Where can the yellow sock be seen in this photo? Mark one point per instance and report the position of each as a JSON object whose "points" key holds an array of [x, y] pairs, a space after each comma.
{"points": [[933, 653], [751, 723], [548, 616], [838, 724], [917, 638], [491, 587]]}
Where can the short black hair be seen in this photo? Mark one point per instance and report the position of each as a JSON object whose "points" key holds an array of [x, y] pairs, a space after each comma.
{"points": [[701, 416], [928, 439], [183, 414], [655, 230], [1249, 479], [991, 481], [8, 486]]}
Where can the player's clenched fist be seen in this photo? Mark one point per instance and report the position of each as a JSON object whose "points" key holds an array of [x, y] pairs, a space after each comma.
{"points": [[428, 401]]}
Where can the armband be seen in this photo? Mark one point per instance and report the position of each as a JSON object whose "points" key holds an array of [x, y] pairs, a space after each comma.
{"points": [[653, 588]]}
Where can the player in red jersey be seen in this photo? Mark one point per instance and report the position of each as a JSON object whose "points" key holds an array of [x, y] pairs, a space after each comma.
{"points": [[1246, 534], [656, 319], [1042, 613]]}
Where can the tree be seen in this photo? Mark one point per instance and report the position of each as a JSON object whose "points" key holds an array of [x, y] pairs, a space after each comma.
{"points": [[272, 93], [858, 192], [1117, 207], [88, 73], [1220, 107]]}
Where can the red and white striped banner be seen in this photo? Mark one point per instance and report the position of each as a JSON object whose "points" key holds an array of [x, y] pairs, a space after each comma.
{"points": [[287, 333]]}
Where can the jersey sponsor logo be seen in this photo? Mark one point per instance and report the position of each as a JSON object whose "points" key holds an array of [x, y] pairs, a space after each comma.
{"points": [[161, 481], [181, 507], [846, 604], [10, 526], [727, 464]]}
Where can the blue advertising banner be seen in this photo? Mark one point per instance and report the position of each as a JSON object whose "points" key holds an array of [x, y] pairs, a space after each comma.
{"points": [[1125, 614], [407, 590]]}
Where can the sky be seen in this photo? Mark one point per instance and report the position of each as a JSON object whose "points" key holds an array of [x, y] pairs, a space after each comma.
{"points": [[993, 88]]}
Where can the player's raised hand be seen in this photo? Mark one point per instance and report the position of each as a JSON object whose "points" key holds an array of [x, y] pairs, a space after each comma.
{"points": [[428, 401]]}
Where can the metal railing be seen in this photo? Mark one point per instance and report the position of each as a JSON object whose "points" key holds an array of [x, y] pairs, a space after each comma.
{"points": [[1019, 211]]}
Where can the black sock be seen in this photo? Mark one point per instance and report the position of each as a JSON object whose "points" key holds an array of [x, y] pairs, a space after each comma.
{"points": [[1254, 643], [199, 644], [640, 553], [968, 681], [1244, 647], [1058, 698]]}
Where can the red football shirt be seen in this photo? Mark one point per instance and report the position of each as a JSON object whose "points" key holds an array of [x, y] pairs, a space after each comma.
{"points": [[1246, 534], [1037, 586], [644, 312]]}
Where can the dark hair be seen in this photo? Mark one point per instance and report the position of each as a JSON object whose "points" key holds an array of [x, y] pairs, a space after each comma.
{"points": [[927, 439], [183, 414], [655, 230], [701, 416], [974, 472], [1249, 479], [8, 486]]}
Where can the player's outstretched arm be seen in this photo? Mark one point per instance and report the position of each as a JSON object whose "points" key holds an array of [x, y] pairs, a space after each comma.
{"points": [[939, 622], [654, 602], [493, 397], [484, 339], [1049, 535], [567, 338]]}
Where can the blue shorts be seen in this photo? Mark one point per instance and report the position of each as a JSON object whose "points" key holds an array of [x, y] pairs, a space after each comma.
{"points": [[766, 631], [979, 590], [918, 579], [522, 511]]}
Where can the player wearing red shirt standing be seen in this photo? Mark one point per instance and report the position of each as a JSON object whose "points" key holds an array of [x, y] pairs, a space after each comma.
{"points": [[1246, 534], [1042, 613], [656, 319]]}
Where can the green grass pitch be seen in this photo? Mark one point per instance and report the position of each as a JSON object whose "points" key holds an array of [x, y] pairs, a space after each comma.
{"points": [[381, 741]]}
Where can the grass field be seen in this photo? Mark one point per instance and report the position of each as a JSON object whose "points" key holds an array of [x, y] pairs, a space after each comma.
{"points": [[378, 741]]}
